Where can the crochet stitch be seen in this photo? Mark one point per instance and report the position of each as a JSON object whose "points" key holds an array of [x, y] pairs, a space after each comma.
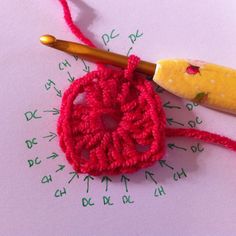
{"points": [[111, 120]]}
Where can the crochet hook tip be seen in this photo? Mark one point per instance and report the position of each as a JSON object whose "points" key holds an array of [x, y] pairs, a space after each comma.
{"points": [[47, 39], [95, 54]]}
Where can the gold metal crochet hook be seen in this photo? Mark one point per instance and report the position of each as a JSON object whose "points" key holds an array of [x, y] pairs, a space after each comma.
{"points": [[208, 84], [94, 54]]}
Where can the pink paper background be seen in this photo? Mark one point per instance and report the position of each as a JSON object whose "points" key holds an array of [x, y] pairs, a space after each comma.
{"points": [[204, 203]]}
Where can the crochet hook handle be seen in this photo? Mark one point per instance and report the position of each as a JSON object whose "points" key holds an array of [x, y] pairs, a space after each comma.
{"points": [[207, 84]]}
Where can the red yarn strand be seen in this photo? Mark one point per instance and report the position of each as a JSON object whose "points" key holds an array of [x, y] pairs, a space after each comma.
{"points": [[202, 135], [74, 29]]}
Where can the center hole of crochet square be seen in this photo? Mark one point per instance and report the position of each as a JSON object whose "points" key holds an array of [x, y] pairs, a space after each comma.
{"points": [[109, 122], [142, 148]]}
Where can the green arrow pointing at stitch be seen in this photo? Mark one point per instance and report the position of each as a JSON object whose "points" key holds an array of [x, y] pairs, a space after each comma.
{"points": [[53, 156], [163, 163], [170, 121], [106, 179], [130, 49], [58, 92], [76, 57], [74, 174], [150, 175], [167, 105], [88, 178], [61, 167], [86, 68], [125, 179], [172, 146], [54, 111], [71, 78], [51, 136]]}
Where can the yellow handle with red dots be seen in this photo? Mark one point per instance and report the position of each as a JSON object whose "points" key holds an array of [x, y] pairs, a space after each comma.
{"points": [[207, 84]]}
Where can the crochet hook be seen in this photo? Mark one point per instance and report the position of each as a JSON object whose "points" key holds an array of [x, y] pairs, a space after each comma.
{"points": [[208, 84]]}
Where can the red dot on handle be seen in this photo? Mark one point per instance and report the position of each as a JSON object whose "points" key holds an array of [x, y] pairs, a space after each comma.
{"points": [[192, 70]]}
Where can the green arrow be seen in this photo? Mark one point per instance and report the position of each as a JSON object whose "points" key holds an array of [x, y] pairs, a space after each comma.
{"points": [[74, 174], [87, 178], [58, 92], [71, 78], [61, 167], [107, 179], [150, 175], [125, 179], [76, 57], [170, 121], [53, 156], [172, 146], [163, 163], [130, 49], [167, 105], [54, 111], [86, 68], [51, 136]]}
